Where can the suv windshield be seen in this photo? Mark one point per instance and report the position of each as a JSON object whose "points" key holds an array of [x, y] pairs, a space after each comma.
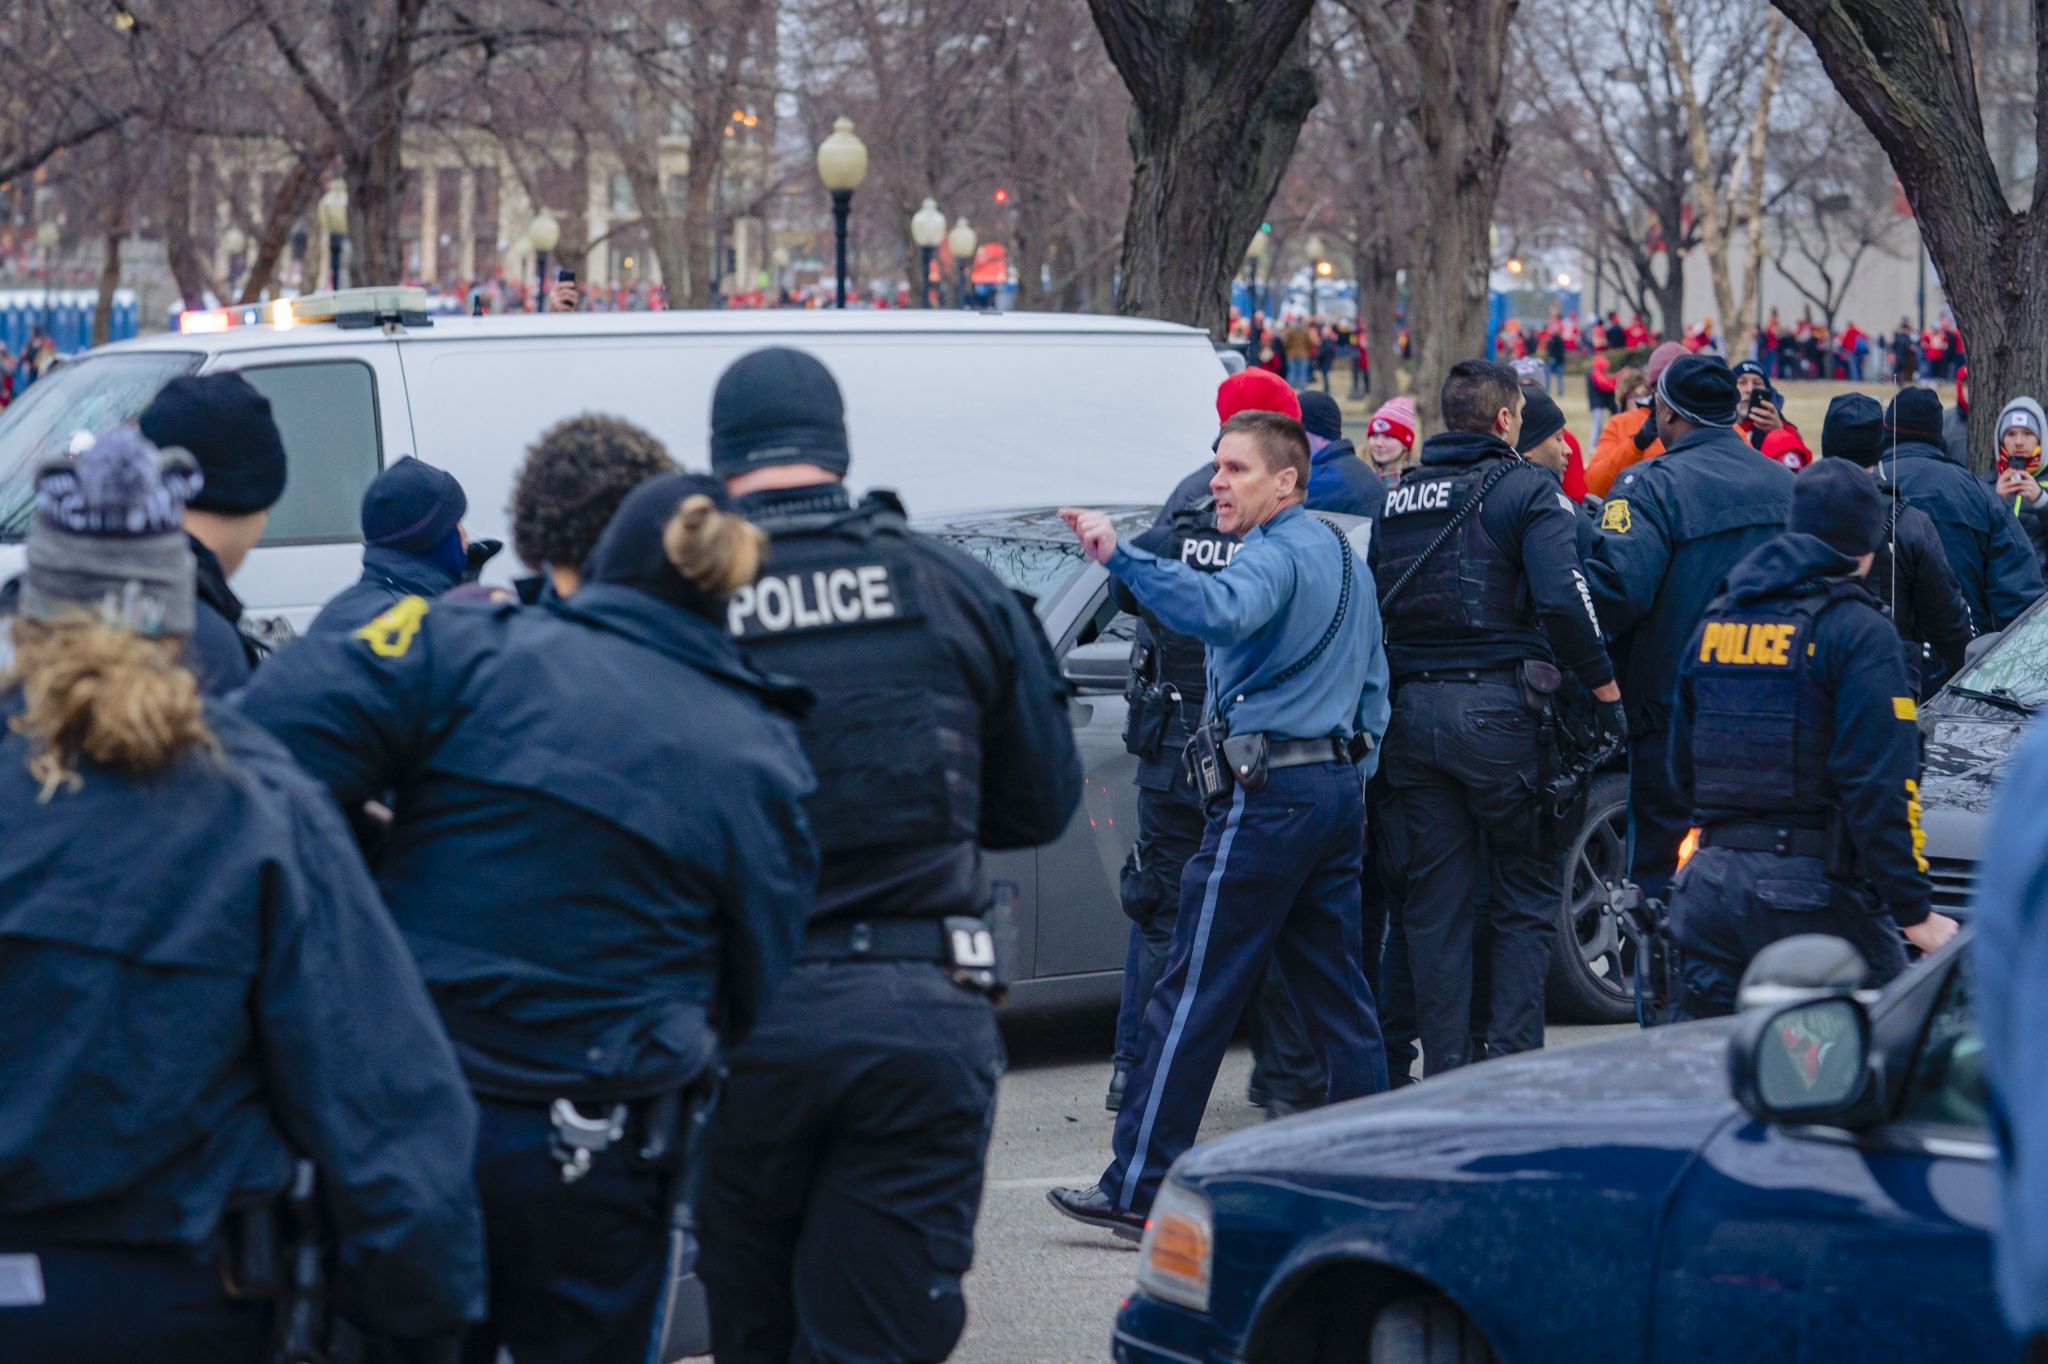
{"points": [[2016, 664], [1032, 552], [94, 394]]}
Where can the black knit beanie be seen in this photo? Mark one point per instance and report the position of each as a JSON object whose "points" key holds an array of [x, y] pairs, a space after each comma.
{"points": [[1915, 414], [1700, 389], [1320, 416], [777, 406], [1853, 430], [1542, 418], [227, 426], [1840, 504]]}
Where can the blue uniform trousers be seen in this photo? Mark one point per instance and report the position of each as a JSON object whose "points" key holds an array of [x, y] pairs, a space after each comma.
{"points": [[578, 1271], [1727, 905], [1277, 875], [129, 1305]]}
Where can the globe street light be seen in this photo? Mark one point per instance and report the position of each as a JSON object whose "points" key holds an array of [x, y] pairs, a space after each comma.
{"points": [[961, 241], [927, 229], [842, 165], [48, 234], [334, 221], [543, 232]]}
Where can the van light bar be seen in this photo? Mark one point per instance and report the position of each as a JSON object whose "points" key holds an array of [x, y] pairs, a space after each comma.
{"points": [[345, 308]]}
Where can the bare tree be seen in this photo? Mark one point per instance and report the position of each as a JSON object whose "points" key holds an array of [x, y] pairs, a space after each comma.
{"points": [[1908, 69], [1219, 92], [1457, 54], [1838, 214]]}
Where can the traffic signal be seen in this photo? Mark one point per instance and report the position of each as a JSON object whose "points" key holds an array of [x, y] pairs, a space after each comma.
{"points": [[1002, 196]]}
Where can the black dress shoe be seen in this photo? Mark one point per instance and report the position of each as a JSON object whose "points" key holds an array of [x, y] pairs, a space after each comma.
{"points": [[1119, 1080], [1094, 1206]]}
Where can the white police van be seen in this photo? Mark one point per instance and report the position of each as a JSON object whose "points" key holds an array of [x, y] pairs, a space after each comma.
{"points": [[956, 410]]}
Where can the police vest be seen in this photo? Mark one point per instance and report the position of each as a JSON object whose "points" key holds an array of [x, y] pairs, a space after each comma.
{"points": [[1467, 588], [1179, 660], [895, 739], [1761, 728]]}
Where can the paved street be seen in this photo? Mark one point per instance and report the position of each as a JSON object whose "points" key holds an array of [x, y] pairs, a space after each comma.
{"points": [[1044, 1290]]}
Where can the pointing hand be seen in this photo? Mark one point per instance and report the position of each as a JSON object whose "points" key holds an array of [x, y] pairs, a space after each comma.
{"points": [[1093, 529]]}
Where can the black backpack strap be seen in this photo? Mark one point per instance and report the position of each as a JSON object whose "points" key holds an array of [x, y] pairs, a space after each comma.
{"points": [[1450, 528]]}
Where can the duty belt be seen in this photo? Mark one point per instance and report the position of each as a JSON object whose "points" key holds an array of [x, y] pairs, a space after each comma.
{"points": [[1749, 835], [877, 940], [1303, 752], [1511, 674]]}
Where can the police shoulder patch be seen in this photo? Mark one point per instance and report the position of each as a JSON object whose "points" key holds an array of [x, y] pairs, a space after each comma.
{"points": [[1614, 516], [1905, 708], [391, 634]]}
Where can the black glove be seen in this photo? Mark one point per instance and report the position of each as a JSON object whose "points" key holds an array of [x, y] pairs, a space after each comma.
{"points": [[1646, 434], [479, 553], [1610, 723]]}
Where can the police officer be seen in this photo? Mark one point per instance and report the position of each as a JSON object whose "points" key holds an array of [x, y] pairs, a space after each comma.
{"points": [[1795, 744], [1297, 701], [1167, 693], [202, 988], [1910, 578], [1670, 531], [226, 425], [599, 855], [1483, 600], [414, 545], [1988, 553], [846, 1166]]}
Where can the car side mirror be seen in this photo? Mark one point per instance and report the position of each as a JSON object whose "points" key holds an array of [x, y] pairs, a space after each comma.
{"points": [[1805, 1063], [1979, 646], [1100, 666]]}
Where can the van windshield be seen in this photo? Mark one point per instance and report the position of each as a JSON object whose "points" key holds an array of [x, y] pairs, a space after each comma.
{"points": [[94, 394]]}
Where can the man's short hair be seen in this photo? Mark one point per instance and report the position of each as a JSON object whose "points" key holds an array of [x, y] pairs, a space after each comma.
{"points": [[1281, 441], [1474, 393]]}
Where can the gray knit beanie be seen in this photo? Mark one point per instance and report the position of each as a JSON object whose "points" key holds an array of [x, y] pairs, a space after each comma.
{"points": [[108, 540]]}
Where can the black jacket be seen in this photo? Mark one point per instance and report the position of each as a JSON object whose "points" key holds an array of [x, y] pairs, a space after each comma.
{"points": [[1670, 530], [203, 985], [1534, 527], [599, 832], [218, 653], [1919, 590], [1988, 552], [389, 577], [1873, 758]]}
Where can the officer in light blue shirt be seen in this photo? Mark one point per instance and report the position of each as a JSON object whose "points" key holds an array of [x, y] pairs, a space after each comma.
{"points": [[1298, 679]]}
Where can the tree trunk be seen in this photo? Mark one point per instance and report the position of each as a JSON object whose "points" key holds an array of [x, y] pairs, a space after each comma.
{"points": [[1379, 299], [295, 195], [179, 252], [1458, 54], [110, 280], [1906, 68], [1670, 294], [376, 197], [700, 229], [664, 233], [1219, 92]]}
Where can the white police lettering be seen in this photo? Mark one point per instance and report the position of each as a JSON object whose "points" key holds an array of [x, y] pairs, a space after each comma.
{"points": [[1206, 552], [819, 599], [1431, 495], [1586, 596]]}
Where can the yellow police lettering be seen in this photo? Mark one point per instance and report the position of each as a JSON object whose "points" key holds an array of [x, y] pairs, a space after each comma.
{"points": [[1767, 644], [392, 634], [1913, 822], [1614, 516]]}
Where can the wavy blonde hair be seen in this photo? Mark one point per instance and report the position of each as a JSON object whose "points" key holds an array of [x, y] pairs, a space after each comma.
{"points": [[90, 691], [717, 552]]}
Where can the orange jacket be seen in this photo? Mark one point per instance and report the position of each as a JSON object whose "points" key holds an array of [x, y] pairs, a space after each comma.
{"points": [[1617, 451]]}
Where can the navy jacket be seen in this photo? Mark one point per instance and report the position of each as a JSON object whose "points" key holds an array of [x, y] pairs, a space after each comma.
{"points": [[1339, 481], [1873, 759], [389, 577], [201, 985], [599, 830], [217, 652], [1994, 566], [2010, 998], [1670, 531]]}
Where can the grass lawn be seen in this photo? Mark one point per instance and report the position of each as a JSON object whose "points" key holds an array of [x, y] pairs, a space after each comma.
{"points": [[1806, 403]]}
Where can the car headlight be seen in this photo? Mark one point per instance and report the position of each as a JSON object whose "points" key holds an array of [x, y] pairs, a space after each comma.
{"points": [[1173, 1261]]}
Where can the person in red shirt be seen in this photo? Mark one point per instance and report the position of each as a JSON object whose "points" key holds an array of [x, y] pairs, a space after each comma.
{"points": [[1638, 334]]}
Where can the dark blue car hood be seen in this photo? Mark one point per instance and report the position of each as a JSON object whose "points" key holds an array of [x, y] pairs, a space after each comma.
{"points": [[1665, 1089]]}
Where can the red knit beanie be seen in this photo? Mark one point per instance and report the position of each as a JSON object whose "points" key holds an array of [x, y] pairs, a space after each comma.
{"points": [[1256, 390]]}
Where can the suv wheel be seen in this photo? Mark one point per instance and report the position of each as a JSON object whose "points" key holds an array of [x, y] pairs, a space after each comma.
{"points": [[1591, 968], [1427, 1330]]}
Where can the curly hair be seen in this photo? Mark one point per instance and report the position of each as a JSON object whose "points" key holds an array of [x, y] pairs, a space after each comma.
{"points": [[573, 479]]}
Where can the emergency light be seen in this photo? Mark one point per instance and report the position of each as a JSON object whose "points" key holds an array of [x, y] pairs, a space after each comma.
{"points": [[404, 305]]}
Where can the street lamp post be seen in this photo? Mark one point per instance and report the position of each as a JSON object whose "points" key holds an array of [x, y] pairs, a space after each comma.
{"points": [[543, 232], [334, 220], [961, 241], [47, 236], [927, 229], [233, 241], [1253, 254], [1314, 247], [842, 165]]}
